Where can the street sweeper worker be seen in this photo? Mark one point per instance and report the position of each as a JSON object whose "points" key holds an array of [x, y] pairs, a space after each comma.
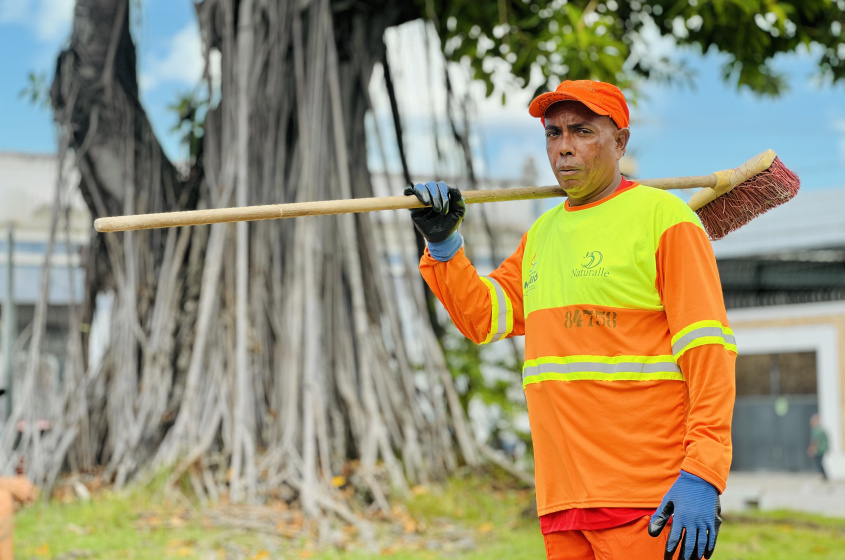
{"points": [[629, 358]]}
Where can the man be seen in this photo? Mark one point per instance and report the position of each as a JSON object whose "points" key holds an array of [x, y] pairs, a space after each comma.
{"points": [[629, 359], [818, 444], [14, 491]]}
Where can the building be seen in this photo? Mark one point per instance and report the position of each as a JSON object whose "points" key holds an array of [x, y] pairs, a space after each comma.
{"points": [[28, 185], [783, 277]]}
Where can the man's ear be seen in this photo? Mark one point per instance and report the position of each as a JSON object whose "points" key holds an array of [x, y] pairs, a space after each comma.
{"points": [[621, 137]]}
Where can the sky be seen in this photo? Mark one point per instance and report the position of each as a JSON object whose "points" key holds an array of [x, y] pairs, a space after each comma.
{"points": [[675, 130]]}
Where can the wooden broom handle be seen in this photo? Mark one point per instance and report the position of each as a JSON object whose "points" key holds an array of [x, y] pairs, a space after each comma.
{"points": [[712, 186], [297, 209]]}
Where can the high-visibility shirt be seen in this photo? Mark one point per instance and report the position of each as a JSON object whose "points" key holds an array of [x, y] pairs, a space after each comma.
{"points": [[629, 358]]}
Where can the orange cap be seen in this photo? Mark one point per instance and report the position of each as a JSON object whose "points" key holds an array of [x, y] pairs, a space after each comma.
{"points": [[600, 97]]}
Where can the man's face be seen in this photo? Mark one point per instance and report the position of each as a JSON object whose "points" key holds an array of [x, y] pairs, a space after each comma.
{"points": [[584, 150]]}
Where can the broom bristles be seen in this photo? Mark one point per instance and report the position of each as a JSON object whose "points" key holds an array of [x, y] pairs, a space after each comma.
{"points": [[749, 199]]}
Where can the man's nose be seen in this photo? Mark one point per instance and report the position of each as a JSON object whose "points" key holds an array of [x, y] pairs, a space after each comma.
{"points": [[565, 146]]}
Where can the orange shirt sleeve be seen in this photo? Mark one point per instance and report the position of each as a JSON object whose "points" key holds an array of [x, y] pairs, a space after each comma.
{"points": [[483, 308], [709, 370], [703, 345]]}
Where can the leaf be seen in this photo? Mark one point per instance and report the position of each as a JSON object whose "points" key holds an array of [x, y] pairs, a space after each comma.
{"points": [[37, 90], [486, 527]]}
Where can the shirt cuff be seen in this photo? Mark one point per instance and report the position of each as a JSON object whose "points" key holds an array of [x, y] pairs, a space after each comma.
{"points": [[692, 466], [446, 249]]}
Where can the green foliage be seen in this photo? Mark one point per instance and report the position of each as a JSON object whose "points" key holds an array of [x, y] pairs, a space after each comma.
{"points": [[491, 376], [37, 90], [598, 39], [753, 32], [191, 111]]}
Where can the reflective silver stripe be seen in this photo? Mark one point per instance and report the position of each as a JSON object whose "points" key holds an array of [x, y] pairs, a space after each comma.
{"points": [[703, 332], [598, 367], [502, 305]]}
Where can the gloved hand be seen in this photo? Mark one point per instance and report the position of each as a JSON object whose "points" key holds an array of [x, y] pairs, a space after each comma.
{"points": [[695, 503], [439, 222]]}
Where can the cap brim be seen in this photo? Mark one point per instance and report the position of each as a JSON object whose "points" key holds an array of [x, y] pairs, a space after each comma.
{"points": [[542, 103]]}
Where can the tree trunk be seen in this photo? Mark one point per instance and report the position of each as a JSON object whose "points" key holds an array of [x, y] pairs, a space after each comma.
{"points": [[263, 358]]}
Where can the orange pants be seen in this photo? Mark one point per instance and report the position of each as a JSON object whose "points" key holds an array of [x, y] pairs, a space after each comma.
{"points": [[629, 542]]}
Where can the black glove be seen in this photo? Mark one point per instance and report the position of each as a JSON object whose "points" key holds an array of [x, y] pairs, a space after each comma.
{"points": [[444, 212]]}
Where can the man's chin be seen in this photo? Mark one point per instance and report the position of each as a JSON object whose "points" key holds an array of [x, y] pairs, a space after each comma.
{"points": [[576, 192]]}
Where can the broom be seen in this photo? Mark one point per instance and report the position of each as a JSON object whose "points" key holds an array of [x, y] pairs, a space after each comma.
{"points": [[727, 200], [742, 194]]}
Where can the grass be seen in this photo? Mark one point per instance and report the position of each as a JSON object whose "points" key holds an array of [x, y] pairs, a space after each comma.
{"points": [[467, 518], [781, 535]]}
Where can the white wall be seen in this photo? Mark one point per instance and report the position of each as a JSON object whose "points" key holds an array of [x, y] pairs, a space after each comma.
{"points": [[823, 340], [28, 188]]}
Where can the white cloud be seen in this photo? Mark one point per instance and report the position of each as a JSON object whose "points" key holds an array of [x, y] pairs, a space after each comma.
{"points": [[53, 18], [182, 62], [14, 11], [650, 45], [419, 80], [49, 19]]}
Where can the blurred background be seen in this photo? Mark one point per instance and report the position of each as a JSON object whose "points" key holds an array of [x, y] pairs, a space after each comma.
{"points": [[195, 350]]}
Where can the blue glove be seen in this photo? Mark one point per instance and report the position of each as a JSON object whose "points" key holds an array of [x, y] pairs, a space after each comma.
{"points": [[695, 503], [439, 221]]}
